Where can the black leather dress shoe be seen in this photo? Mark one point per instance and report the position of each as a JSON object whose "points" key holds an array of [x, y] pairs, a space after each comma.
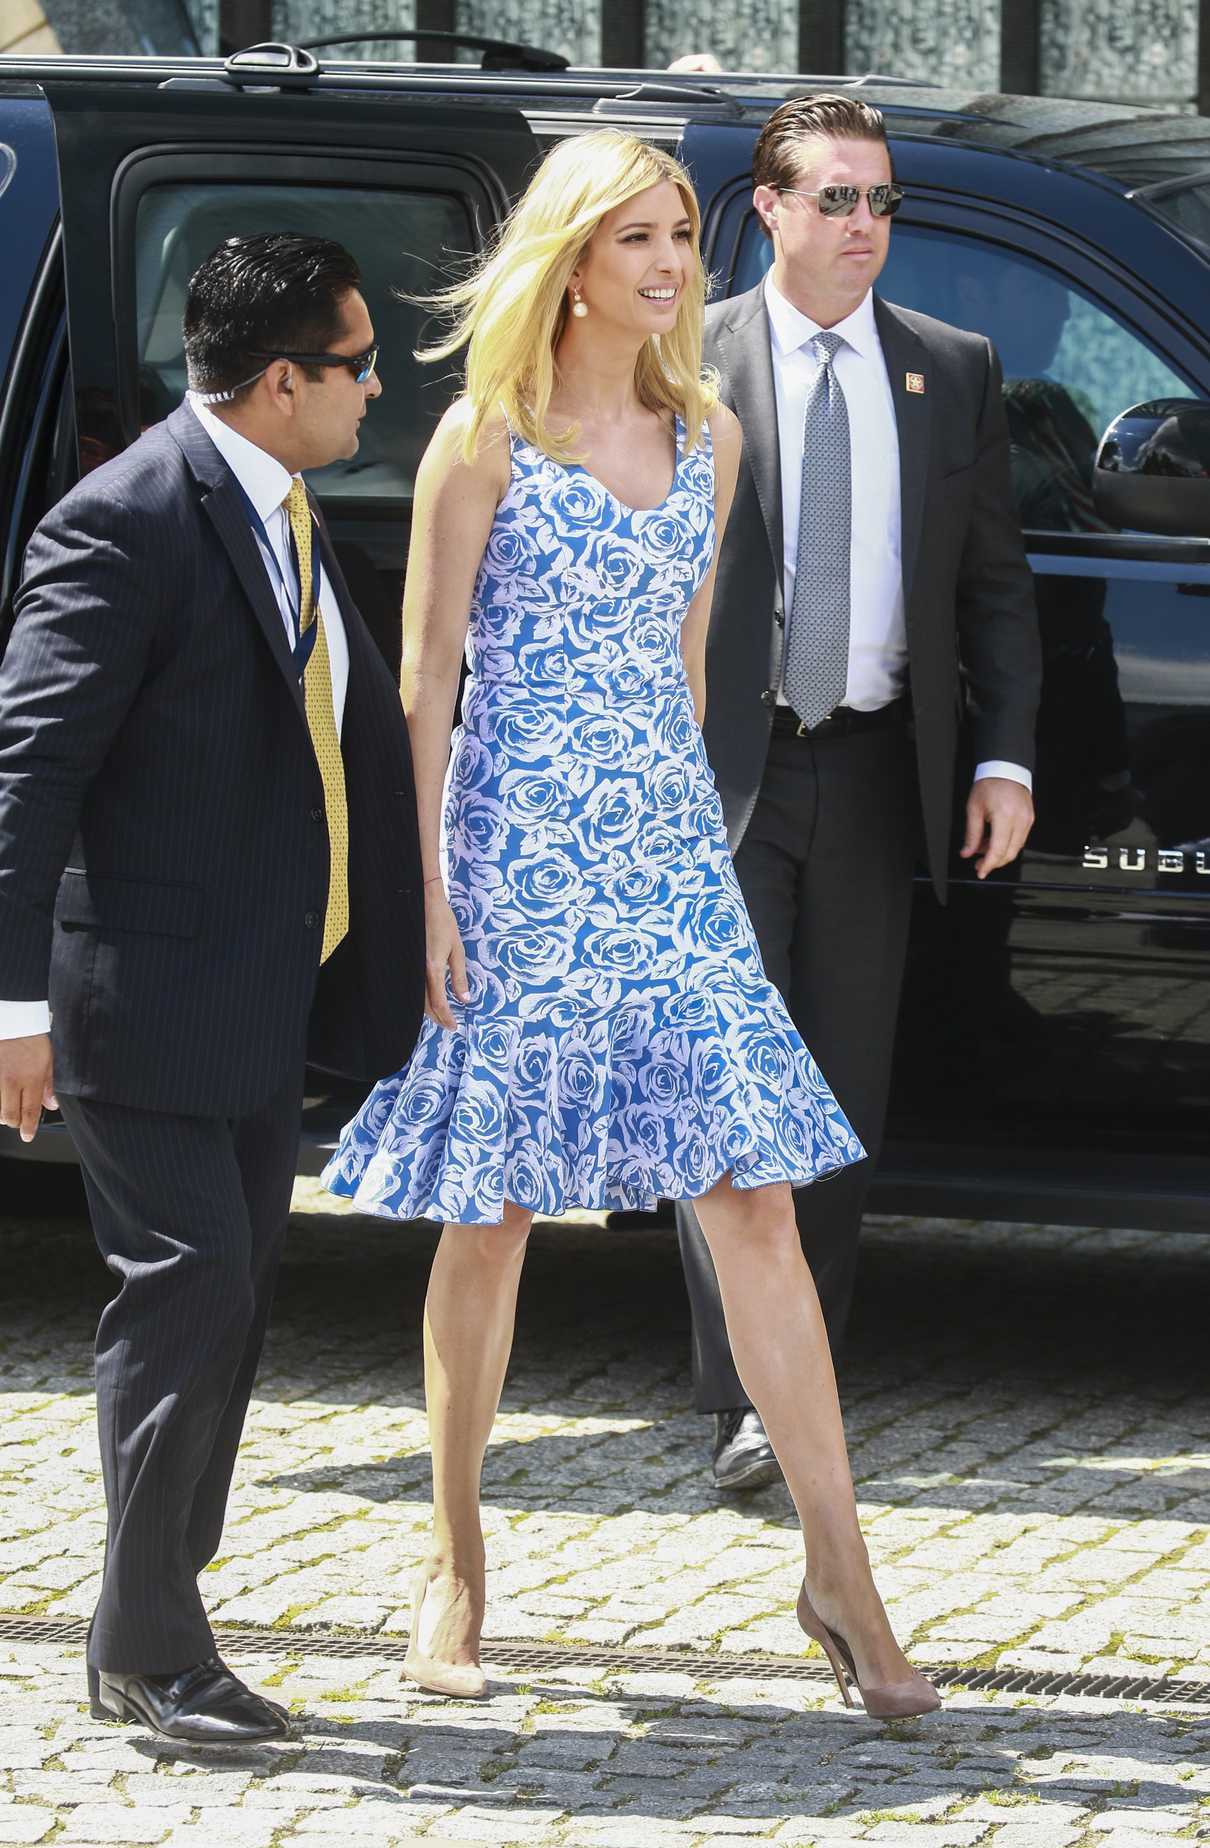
{"points": [[102, 1713], [274, 1706], [743, 1455], [202, 1705]]}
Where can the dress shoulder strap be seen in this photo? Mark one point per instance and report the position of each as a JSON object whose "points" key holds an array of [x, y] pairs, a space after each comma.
{"points": [[705, 441], [520, 453]]}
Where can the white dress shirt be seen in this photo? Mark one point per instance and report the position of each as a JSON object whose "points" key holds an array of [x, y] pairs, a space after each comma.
{"points": [[878, 651], [266, 483]]}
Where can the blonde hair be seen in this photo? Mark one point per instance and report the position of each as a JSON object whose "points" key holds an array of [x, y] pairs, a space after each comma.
{"points": [[512, 309]]}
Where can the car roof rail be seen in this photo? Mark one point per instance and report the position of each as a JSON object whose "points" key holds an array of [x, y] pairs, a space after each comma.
{"points": [[882, 78], [809, 82], [498, 54], [287, 67], [697, 95]]}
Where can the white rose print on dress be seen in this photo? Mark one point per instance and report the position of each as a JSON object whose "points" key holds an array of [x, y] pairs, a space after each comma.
{"points": [[621, 1042]]}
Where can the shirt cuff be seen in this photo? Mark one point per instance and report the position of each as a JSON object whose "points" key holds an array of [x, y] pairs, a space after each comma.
{"points": [[19, 1019], [1016, 773]]}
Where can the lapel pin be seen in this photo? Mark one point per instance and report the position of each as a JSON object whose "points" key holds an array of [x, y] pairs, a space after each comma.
{"points": [[915, 381]]}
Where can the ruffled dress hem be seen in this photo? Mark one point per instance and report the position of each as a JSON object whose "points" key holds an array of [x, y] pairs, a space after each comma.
{"points": [[623, 1201], [554, 1115]]}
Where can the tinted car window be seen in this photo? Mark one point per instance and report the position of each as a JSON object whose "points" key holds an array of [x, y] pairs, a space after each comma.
{"points": [[1069, 366], [1186, 204], [405, 242]]}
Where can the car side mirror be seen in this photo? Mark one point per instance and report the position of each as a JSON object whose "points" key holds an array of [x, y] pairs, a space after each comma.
{"points": [[1152, 472]]}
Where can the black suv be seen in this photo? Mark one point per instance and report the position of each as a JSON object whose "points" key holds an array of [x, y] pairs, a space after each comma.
{"points": [[1054, 1054]]}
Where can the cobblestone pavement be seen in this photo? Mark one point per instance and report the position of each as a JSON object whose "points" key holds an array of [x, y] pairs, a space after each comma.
{"points": [[1029, 1418]]}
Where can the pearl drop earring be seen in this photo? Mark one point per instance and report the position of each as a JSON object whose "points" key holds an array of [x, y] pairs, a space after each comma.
{"points": [[578, 307]]}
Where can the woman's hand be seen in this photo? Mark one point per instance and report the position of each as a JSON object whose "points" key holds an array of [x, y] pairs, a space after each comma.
{"points": [[442, 950]]}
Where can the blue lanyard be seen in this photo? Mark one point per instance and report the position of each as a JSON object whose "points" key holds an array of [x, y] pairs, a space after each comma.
{"points": [[304, 641]]}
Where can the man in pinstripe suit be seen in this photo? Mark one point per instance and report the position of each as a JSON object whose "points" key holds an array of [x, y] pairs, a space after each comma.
{"points": [[205, 793]]}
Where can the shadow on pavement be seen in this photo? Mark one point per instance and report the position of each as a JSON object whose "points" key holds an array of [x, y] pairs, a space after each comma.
{"points": [[811, 1761]]}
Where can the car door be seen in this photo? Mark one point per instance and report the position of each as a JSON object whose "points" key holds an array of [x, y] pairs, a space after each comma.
{"points": [[154, 179], [32, 340], [1055, 1032], [1072, 990]]}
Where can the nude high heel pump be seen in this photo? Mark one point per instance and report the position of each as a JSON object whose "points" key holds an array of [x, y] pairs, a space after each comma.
{"points": [[895, 1700], [459, 1681]]}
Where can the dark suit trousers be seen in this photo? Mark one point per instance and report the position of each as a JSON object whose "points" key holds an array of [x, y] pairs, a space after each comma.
{"points": [[190, 1216], [826, 868]]}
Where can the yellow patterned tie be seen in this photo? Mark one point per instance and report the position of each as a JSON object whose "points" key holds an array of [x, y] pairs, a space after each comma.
{"points": [[321, 721]]}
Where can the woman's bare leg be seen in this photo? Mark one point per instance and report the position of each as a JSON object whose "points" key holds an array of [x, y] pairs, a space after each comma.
{"points": [[469, 1314], [781, 1354]]}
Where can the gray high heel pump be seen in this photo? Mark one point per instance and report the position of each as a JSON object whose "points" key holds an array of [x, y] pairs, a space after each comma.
{"points": [[892, 1700]]}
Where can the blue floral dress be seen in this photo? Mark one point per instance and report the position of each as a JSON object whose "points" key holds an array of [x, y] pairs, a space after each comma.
{"points": [[621, 1043]]}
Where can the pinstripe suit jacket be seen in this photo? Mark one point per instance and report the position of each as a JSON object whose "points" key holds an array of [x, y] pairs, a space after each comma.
{"points": [[163, 852]]}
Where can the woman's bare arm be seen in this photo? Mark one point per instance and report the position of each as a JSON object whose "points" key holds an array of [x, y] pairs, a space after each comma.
{"points": [[727, 438], [452, 515]]}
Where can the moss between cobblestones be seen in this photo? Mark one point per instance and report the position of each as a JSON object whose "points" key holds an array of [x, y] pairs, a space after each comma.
{"points": [[57, 1827], [904, 1732], [278, 1676], [291, 1565], [286, 1759], [37, 1607], [1118, 1637], [989, 1658], [286, 1620], [353, 1692]]}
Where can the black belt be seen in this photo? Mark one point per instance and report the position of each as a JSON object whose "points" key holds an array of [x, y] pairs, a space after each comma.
{"points": [[838, 724]]}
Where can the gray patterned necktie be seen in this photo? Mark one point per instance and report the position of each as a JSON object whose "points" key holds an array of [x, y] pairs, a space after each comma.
{"points": [[817, 646]]}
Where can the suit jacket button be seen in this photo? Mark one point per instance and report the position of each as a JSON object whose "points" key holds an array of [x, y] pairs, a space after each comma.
{"points": [[769, 697], [779, 617], [317, 814], [311, 920]]}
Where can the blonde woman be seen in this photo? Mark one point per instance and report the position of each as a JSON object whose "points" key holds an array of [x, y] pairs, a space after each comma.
{"points": [[600, 1031]]}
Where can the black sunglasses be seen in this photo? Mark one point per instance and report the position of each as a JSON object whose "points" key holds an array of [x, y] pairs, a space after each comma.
{"points": [[361, 365], [842, 201]]}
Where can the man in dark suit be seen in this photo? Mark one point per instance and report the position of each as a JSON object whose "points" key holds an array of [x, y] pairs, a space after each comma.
{"points": [[872, 566], [207, 836]]}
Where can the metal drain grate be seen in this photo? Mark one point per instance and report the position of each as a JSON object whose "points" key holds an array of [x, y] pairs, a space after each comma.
{"points": [[530, 1658]]}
